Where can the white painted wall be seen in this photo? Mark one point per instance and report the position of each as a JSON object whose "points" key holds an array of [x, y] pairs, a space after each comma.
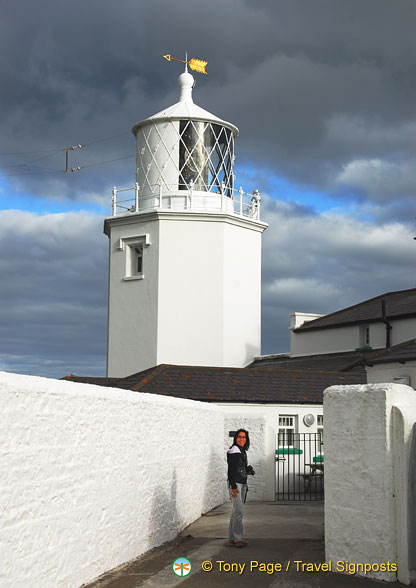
{"points": [[324, 341], [132, 304], [92, 477], [403, 330], [209, 290], [263, 449], [261, 454], [386, 372], [271, 412], [298, 318], [348, 338], [199, 300], [366, 475]]}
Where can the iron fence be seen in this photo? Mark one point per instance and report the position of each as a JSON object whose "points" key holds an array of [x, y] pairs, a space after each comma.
{"points": [[300, 467]]}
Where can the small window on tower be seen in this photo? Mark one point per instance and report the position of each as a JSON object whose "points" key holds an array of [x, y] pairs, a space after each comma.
{"points": [[137, 261], [134, 261]]}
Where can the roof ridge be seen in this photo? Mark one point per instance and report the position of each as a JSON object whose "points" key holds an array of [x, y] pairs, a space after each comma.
{"points": [[304, 371], [156, 371], [341, 310], [393, 348]]}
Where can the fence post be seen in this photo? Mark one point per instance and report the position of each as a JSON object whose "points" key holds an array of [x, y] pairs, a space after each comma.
{"points": [[191, 194], [241, 200], [136, 194]]}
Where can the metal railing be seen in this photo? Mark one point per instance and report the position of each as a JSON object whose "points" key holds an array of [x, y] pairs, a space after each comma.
{"points": [[300, 467], [167, 197]]}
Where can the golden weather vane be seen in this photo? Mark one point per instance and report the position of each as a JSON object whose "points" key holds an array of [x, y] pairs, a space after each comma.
{"points": [[194, 64]]}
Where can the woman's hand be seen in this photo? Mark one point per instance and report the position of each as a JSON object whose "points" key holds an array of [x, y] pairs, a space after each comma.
{"points": [[234, 492]]}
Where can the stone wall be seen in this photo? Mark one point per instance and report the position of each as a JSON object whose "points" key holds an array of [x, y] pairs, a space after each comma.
{"points": [[92, 477], [369, 433]]}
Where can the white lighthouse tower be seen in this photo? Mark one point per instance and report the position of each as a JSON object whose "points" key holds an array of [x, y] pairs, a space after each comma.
{"points": [[185, 250]]}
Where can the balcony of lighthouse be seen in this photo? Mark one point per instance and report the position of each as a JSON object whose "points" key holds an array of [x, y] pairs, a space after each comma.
{"points": [[186, 198]]}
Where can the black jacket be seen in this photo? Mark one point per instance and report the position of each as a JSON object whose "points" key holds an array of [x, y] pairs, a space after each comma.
{"points": [[237, 466]]}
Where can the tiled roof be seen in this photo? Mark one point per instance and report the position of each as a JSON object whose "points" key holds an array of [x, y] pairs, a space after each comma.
{"points": [[339, 362], [211, 384], [92, 380], [400, 353], [396, 304]]}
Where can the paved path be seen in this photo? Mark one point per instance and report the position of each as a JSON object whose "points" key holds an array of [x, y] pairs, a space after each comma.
{"points": [[276, 534]]}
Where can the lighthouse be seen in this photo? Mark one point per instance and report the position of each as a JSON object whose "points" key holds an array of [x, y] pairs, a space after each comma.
{"points": [[184, 248]]}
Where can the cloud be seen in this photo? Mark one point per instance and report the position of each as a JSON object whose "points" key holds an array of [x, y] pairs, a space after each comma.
{"points": [[379, 181], [53, 294], [322, 263], [314, 87], [322, 93], [53, 306]]}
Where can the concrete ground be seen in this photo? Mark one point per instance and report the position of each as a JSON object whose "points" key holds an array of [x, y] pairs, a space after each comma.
{"points": [[276, 533]]}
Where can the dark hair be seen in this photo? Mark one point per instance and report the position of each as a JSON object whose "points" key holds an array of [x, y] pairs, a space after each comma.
{"points": [[247, 445]]}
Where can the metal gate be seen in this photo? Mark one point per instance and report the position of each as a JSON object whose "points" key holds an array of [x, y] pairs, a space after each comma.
{"points": [[300, 467]]}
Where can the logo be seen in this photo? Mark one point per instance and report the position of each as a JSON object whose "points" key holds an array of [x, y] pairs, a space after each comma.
{"points": [[182, 566]]}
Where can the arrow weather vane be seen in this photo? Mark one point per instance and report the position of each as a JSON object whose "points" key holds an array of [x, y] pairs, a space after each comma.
{"points": [[194, 64]]}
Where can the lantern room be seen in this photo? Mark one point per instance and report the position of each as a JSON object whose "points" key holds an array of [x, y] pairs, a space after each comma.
{"points": [[183, 153]]}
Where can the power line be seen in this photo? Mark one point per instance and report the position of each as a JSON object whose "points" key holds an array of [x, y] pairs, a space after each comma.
{"points": [[49, 153], [57, 150], [72, 169], [106, 139], [34, 160], [109, 161]]}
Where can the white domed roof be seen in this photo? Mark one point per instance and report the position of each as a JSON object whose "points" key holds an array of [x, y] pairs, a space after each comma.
{"points": [[185, 108]]}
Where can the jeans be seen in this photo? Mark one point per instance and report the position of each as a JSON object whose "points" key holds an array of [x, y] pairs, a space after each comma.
{"points": [[236, 520]]}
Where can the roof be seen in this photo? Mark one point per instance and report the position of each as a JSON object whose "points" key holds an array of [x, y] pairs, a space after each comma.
{"points": [[185, 108], [239, 385], [346, 361], [400, 353], [391, 305], [91, 380]]}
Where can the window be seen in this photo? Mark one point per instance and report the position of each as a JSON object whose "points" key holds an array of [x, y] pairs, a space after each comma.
{"points": [[364, 336], [136, 257], [206, 152], [287, 430], [134, 260]]}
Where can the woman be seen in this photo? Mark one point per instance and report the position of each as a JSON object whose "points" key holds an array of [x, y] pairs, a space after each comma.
{"points": [[237, 480]]}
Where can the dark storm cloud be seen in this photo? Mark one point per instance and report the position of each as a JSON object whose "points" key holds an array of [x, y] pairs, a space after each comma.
{"points": [[53, 294], [322, 263], [316, 87], [323, 93], [53, 311]]}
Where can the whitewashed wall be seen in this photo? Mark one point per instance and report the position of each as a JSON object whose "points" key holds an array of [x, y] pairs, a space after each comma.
{"points": [[185, 290], [348, 338], [261, 455], [92, 477], [368, 432], [386, 372]]}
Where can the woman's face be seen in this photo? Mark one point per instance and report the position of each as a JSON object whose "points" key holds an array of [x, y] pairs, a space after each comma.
{"points": [[241, 439]]}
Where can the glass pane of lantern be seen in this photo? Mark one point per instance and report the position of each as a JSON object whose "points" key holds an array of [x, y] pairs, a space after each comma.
{"points": [[192, 155]]}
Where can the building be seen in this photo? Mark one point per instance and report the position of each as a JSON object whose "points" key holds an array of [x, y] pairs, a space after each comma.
{"points": [[377, 323], [185, 251], [184, 293]]}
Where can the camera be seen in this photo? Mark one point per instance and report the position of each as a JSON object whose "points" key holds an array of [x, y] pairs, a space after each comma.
{"points": [[250, 470]]}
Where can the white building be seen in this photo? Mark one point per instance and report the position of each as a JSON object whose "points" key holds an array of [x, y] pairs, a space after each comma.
{"points": [[185, 252], [377, 323]]}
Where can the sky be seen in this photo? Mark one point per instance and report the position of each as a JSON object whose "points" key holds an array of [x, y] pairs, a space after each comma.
{"points": [[323, 94]]}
